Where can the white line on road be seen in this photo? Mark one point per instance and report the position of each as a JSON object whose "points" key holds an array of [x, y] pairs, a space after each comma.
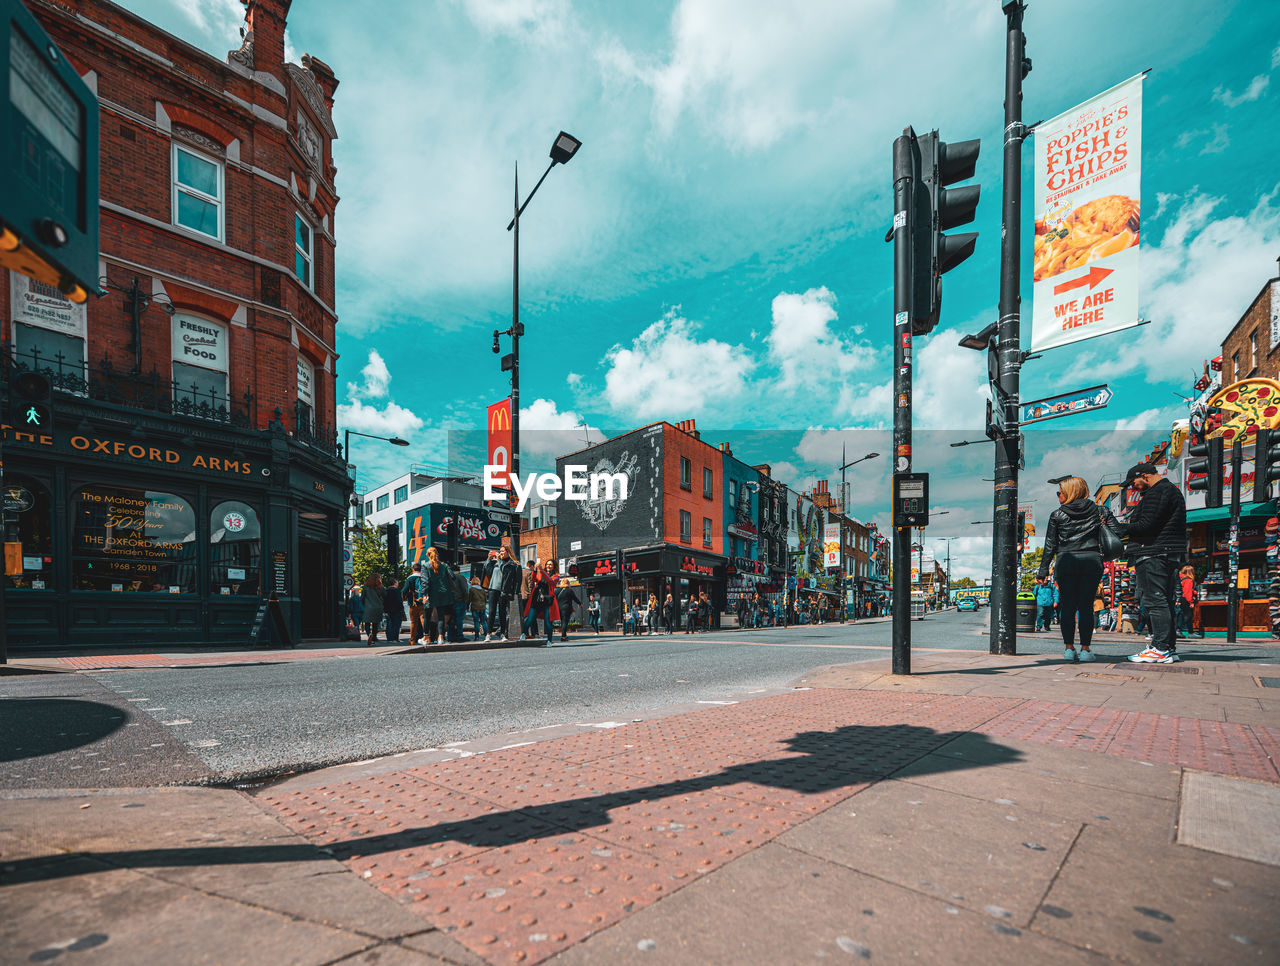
{"points": [[177, 721]]}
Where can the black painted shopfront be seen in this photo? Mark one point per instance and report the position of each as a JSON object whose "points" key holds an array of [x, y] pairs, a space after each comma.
{"points": [[146, 528], [621, 576]]}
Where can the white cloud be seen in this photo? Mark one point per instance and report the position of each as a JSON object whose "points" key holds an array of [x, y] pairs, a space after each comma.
{"points": [[1197, 281], [547, 432], [1250, 93], [755, 72], [220, 19], [1219, 142], [377, 378], [1275, 56], [1150, 419], [359, 416], [573, 380], [535, 20], [803, 345], [668, 372], [391, 420]]}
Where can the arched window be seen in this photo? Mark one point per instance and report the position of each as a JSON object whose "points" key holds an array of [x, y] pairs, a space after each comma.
{"points": [[27, 502], [126, 539], [235, 549]]}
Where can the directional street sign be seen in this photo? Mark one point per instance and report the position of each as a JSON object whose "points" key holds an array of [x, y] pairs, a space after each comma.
{"points": [[1067, 404]]}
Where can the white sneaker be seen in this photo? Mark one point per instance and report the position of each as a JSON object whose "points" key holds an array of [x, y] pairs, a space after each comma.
{"points": [[522, 638]]}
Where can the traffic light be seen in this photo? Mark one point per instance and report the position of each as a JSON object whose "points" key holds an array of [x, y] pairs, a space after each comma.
{"points": [[1266, 466], [938, 209], [30, 403], [1022, 532], [49, 192], [1208, 467], [393, 545]]}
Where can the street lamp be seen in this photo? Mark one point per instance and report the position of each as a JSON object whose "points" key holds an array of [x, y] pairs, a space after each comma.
{"points": [[563, 149], [844, 507], [348, 433]]}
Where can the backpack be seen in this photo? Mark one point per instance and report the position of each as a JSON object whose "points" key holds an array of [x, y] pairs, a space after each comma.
{"points": [[541, 594]]}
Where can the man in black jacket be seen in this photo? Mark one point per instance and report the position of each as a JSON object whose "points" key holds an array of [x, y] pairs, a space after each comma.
{"points": [[566, 599], [1156, 543]]}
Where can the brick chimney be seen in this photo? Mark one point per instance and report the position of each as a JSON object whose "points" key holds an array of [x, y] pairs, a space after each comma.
{"points": [[724, 448], [689, 426], [265, 19]]}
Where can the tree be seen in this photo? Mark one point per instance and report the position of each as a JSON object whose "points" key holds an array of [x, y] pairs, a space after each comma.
{"points": [[965, 582], [369, 556], [1031, 567]]}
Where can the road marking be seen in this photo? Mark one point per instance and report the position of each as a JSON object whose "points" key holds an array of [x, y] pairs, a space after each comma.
{"points": [[177, 721], [205, 743], [717, 702], [851, 647]]}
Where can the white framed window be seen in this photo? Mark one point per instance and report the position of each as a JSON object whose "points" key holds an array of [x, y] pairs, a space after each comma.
{"points": [[306, 391], [303, 254], [199, 364], [198, 192]]}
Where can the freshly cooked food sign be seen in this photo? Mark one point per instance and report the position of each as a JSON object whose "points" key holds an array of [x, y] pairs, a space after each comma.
{"points": [[1088, 219]]}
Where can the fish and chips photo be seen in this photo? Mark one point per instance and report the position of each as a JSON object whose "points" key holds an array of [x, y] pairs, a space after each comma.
{"points": [[1096, 229]]}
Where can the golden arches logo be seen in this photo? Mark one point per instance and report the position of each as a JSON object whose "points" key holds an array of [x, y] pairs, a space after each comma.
{"points": [[500, 418]]}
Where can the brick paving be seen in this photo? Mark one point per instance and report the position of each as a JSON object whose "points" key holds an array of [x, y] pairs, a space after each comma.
{"points": [[523, 852]]}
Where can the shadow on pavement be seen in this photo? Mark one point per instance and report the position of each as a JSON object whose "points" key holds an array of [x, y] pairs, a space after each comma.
{"points": [[45, 726], [819, 761]]}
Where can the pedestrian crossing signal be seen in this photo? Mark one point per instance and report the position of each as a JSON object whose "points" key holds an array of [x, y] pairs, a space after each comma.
{"points": [[29, 399]]}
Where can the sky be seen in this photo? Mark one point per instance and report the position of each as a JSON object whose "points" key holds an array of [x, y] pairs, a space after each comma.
{"points": [[715, 250]]}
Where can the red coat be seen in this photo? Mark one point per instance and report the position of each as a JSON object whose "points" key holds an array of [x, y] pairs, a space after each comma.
{"points": [[553, 611]]}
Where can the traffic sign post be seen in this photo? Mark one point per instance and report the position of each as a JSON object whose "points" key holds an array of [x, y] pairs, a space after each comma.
{"points": [[1066, 404]]}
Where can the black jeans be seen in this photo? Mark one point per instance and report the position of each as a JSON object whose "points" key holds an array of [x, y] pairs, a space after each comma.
{"points": [[499, 604], [1078, 575], [1157, 589]]}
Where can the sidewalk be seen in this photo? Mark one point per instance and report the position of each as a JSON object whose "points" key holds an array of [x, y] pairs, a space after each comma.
{"points": [[985, 810]]}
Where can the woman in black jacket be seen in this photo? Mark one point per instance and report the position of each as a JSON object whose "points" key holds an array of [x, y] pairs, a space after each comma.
{"points": [[1074, 537]]}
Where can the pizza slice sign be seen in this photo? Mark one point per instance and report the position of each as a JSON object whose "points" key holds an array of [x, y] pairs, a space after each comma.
{"points": [[1247, 406]]}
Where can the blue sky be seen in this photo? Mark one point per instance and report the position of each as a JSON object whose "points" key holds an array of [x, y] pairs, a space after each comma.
{"points": [[715, 250]]}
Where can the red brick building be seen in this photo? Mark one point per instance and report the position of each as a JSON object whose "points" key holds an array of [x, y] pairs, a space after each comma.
{"points": [[1252, 347], [198, 387]]}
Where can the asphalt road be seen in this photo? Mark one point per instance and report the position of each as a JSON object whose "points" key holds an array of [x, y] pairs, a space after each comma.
{"points": [[247, 722]]}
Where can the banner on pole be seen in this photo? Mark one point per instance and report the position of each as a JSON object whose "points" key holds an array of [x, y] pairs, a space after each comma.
{"points": [[1088, 219], [831, 545], [500, 439]]}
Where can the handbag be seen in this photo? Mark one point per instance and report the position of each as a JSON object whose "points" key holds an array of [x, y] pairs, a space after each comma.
{"points": [[1110, 544]]}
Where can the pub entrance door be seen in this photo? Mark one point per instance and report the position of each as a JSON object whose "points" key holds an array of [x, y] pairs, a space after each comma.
{"points": [[315, 588]]}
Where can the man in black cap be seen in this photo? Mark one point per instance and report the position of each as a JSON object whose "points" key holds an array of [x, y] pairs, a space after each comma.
{"points": [[1156, 542]]}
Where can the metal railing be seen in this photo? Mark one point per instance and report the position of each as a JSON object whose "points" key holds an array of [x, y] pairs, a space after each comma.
{"points": [[307, 429], [146, 391]]}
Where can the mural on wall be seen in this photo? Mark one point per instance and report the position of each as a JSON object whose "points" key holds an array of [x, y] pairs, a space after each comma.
{"points": [[602, 510], [603, 524]]}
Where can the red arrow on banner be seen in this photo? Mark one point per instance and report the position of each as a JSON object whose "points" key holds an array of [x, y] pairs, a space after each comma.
{"points": [[1094, 276]]}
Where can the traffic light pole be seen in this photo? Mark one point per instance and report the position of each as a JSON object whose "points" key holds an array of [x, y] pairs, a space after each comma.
{"points": [[1233, 537], [904, 174], [1004, 563]]}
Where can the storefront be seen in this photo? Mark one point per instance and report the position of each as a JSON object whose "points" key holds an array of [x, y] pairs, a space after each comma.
{"points": [[462, 535], [1209, 530], [140, 530], [621, 576]]}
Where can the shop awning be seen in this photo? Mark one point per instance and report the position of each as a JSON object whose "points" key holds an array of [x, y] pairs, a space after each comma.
{"points": [[1209, 514]]}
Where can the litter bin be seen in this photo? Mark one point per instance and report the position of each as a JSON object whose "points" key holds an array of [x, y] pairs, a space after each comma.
{"points": [[1025, 613]]}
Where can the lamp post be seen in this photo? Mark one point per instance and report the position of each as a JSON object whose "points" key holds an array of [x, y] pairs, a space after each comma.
{"points": [[563, 149], [844, 509], [346, 450]]}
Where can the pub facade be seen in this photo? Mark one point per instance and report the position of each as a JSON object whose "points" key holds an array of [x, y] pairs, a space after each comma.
{"points": [[189, 481]]}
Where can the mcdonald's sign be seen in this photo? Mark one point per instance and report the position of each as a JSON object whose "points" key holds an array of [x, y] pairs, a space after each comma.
{"points": [[500, 437]]}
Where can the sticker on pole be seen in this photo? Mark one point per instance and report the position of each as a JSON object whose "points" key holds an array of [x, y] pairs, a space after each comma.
{"points": [[1088, 219]]}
